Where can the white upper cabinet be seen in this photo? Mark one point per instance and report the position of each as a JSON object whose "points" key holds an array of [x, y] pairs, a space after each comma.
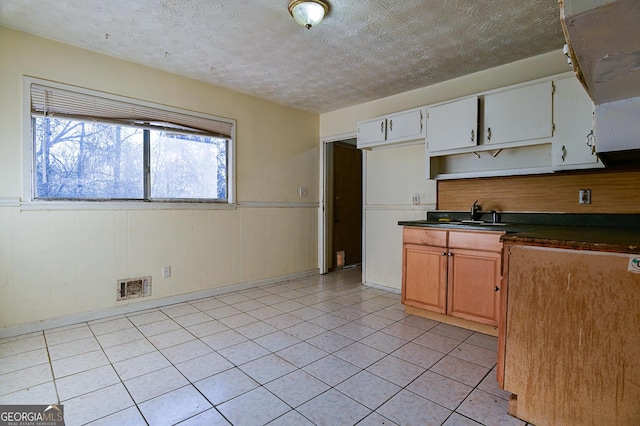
{"points": [[372, 132], [574, 145], [529, 128], [406, 125], [394, 129], [519, 114], [452, 125]]}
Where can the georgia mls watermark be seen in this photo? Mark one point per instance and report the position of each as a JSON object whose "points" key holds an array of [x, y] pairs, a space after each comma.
{"points": [[31, 415]]}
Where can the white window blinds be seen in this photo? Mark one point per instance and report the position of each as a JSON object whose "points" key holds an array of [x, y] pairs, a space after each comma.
{"points": [[95, 106]]}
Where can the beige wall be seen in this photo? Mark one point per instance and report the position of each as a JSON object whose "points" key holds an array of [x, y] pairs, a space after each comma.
{"points": [[59, 263], [394, 174]]}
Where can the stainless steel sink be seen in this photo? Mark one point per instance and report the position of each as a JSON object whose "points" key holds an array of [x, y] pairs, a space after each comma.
{"points": [[472, 223]]}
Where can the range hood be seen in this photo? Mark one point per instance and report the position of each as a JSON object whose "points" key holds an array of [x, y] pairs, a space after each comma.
{"points": [[603, 37]]}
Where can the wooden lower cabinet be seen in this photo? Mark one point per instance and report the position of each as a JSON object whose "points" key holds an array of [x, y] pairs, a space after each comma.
{"points": [[473, 291], [457, 273], [425, 277], [569, 345]]}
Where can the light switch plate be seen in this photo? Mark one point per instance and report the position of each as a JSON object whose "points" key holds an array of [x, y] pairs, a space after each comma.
{"points": [[166, 271]]}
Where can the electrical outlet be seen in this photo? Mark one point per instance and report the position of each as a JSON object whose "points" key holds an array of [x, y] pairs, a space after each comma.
{"points": [[584, 196], [166, 271], [415, 200], [304, 191]]}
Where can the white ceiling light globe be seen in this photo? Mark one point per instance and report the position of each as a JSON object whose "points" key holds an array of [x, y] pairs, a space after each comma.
{"points": [[308, 13]]}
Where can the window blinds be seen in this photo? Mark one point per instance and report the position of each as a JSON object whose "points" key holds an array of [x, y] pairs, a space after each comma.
{"points": [[64, 103]]}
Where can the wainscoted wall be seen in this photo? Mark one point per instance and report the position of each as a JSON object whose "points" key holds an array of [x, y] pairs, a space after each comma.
{"points": [[62, 262], [611, 192], [59, 263]]}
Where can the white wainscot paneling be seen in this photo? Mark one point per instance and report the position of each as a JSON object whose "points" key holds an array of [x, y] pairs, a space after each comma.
{"points": [[64, 282], [31, 265], [7, 282], [383, 254], [66, 263]]}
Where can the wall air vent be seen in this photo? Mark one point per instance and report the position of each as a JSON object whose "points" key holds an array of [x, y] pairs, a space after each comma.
{"points": [[130, 288]]}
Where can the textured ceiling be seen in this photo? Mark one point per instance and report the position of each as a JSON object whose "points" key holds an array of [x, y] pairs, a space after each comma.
{"points": [[363, 50]]}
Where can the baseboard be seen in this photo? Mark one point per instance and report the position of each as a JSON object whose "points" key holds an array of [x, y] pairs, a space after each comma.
{"points": [[383, 287], [155, 303]]}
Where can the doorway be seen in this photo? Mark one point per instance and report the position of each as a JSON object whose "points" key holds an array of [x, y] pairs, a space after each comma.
{"points": [[343, 219]]}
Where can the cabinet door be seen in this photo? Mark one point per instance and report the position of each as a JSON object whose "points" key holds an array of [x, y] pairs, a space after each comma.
{"points": [[453, 125], [519, 114], [473, 285], [372, 132], [574, 143], [405, 125], [424, 277]]}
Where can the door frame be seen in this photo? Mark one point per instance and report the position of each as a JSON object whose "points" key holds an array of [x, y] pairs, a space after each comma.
{"points": [[323, 189]]}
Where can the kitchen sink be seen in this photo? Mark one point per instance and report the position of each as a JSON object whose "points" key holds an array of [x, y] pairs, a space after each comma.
{"points": [[473, 223]]}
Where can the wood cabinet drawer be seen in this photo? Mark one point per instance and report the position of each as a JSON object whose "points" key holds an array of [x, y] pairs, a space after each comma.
{"points": [[488, 241], [425, 237]]}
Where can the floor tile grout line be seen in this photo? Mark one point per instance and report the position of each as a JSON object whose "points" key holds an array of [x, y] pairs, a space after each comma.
{"points": [[53, 377], [309, 304]]}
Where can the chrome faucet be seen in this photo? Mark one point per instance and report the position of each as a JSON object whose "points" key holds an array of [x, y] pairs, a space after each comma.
{"points": [[476, 212], [475, 208], [494, 216]]}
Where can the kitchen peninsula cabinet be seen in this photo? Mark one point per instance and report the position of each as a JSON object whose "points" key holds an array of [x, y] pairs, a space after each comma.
{"points": [[569, 342], [453, 272]]}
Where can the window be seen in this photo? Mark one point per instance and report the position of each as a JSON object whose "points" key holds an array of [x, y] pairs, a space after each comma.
{"points": [[93, 146]]}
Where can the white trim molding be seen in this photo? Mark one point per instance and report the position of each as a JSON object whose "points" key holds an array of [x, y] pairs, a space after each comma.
{"points": [[383, 287], [276, 204], [9, 202], [418, 207]]}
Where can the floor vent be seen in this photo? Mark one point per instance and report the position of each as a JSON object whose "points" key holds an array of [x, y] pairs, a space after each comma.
{"points": [[131, 288]]}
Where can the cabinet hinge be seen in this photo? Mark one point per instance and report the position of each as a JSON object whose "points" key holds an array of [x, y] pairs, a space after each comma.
{"points": [[553, 128], [553, 88]]}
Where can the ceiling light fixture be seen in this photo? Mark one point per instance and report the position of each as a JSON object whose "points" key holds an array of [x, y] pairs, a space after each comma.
{"points": [[308, 12]]}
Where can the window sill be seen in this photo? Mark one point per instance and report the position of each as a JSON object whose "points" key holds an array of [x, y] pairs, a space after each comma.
{"points": [[122, 205]]}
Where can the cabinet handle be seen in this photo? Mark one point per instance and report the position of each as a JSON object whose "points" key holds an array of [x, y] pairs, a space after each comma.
{"points": [[591, 142], [382, 127], [563, 153], [497, 288], [450, 254], [473, 135], [391, 125], [444, 254], [489, 134]]}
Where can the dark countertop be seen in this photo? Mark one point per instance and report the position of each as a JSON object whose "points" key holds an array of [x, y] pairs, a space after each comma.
{"points": [[597, 232]]}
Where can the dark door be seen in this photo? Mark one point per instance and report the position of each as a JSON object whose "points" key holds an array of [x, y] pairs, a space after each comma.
{"points": [[347, 205]]}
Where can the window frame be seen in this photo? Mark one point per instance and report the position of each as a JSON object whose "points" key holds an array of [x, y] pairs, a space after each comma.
{"points": [[30, 202]]}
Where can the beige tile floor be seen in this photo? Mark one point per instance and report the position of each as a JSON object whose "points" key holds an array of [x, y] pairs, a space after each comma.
{"points": [[324, 350]]}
